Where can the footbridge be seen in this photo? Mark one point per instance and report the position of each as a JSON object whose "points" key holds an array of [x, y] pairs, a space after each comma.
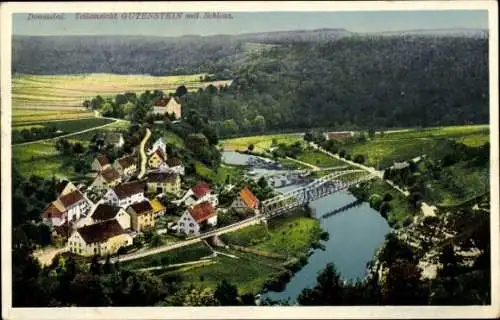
{"points": [[319, 188]]}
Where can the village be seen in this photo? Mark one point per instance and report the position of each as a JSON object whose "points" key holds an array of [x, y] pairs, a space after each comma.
{"points": [[125, 200]]}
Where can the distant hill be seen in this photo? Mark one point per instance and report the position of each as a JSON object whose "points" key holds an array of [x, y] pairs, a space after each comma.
{"points": [[158, 55]]}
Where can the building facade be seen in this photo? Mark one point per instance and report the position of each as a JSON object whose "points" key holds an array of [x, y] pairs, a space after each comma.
{"points": [[142, 216]]}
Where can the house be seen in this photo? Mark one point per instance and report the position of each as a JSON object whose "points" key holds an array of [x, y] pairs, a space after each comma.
{"points": [[104, 211], [158, 145], [107, 178], [125, 194], [173, 164], [199, 193], [68, 207], [190, 222], [158, 208], [60, 234], [64, 187], [100, 163], [341, 135], [163, 182], [102, 238], [126, 166], [161, 106], [142, 215], [246, 200], [115, 138], [157, 158]]}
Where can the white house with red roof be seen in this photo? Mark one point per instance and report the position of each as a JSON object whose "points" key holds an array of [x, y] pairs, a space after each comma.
{"points": [[246, 200], [192, 219], [125, 194], [68, 207], [158, 145], [197, 194]]}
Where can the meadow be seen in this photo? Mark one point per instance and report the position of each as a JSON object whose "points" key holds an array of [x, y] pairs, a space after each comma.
{"points": [[43, 97], [261, 143], [383, 150], [319, 159]]}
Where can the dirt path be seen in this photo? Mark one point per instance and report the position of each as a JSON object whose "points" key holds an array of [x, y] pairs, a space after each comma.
{"points": [[144, 158], [46, 256], [315, 168]]}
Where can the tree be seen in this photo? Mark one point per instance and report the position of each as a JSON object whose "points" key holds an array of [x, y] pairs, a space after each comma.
{"points": [[259, 123], [78, 148], [371, 133], [226, 294], [308, 137], [342, 153], [251, 147], [359, 158], [197, 297], [181, 91], [327, 291]]}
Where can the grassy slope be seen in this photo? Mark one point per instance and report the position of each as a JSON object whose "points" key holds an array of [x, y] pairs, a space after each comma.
{"points": [[319, 159], [401, 146]]}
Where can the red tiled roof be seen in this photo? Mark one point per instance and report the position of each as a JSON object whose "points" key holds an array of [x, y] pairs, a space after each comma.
{"points": [[202, 211], [62, 230], [161, 102], [103, 160], [126, 162], [105, 212], [249, 198], [125, 190], [100, 232], [160, 154], [201, 189], [110, 174], [71, 198], [161, 177]]}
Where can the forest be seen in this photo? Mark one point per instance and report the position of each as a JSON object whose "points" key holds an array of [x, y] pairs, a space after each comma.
{"points": [[355, 83], [351, 83]]}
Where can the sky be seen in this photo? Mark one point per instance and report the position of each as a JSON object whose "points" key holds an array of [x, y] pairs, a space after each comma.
{"points": [[246, 22]]}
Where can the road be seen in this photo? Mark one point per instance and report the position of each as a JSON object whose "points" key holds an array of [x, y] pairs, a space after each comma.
{"points": [[46, 256], [315, 168], [176, 265], [69, 134], [231, 228], [144, 158]]}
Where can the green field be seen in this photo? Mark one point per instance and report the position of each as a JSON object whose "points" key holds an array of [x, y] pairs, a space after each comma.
{"points": [[288, 235], [40, 158], [221, 174], [247, 274], [180, 255], [319, 159], [38, 97], [403, 146], [261, 143]]}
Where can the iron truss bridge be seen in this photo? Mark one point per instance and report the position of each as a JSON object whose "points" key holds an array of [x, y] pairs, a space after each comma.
{"points": [[322, 187]]}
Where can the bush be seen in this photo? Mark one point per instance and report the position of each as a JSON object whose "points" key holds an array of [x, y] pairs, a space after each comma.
{"points": [[359, 158], [387, 197]]}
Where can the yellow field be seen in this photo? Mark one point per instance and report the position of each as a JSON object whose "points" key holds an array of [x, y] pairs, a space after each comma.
{"points": [[36, 97]]}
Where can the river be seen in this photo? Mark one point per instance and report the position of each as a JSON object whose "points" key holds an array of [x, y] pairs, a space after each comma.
{"points": [[355, 234]]}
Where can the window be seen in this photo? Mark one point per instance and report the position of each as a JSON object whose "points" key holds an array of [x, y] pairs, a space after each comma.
{"points": [[191, 231], [191, 225], [182, 224], [95, 250]]}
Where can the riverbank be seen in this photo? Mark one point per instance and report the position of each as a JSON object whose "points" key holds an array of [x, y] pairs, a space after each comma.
{"points": [[389, 202]]}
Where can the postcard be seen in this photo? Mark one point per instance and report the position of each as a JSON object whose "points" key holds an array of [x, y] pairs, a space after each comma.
{"points": [[250, 160]]}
